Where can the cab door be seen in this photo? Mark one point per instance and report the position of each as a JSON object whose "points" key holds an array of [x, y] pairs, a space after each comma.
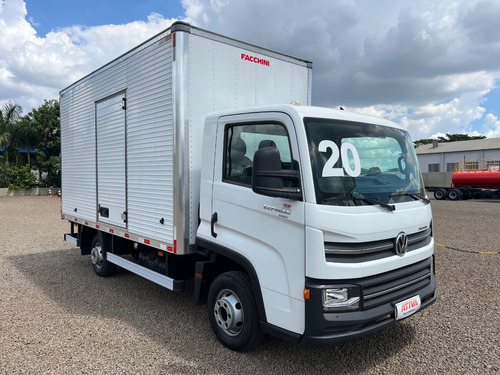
{"points": [[267, 231]]}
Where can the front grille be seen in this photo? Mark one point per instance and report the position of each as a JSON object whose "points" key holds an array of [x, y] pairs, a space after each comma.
{"points": [[346, 252], [393, 285]]}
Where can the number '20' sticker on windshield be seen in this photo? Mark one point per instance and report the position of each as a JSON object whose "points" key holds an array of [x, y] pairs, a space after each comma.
{"points": [[329, 170]]}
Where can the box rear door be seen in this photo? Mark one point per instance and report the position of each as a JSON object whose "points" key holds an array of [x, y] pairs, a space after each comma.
{"points": [[111, 160]]}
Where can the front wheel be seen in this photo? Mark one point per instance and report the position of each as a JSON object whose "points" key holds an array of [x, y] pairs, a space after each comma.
{"points": [[233, 312]]}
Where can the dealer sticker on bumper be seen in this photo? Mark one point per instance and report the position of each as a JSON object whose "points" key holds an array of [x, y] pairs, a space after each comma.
{"points": [[407, 307]]}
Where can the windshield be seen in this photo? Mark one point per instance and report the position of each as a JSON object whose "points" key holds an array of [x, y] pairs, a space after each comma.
{"points": [[357, 164]]}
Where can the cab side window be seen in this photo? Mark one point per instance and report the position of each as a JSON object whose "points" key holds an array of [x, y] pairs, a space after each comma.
{"points": [[241, 143]]}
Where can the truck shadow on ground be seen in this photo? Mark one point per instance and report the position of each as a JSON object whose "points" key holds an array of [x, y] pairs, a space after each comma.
{"points": [[174, 321]]}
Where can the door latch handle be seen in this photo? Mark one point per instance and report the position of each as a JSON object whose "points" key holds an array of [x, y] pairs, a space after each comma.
{"points": [[212, 224], [103, 211]]}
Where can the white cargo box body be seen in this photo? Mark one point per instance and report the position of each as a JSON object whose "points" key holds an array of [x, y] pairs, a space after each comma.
{"points": [[131, 131]]}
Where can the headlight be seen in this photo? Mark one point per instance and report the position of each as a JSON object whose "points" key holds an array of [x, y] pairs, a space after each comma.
{"points": [[341, 299]]}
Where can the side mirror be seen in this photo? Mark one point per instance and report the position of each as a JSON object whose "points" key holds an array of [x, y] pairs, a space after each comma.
{"points": [[268, 178]]}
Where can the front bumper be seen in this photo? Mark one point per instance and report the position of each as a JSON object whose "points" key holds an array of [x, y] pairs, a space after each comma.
{"points": [[327, 328]]}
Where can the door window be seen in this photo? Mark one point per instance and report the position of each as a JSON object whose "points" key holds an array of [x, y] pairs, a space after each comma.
{"points": [[241, 143]]}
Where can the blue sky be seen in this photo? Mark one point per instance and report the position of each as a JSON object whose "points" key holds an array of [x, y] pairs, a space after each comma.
{"points": [[432, 66], [492, 105], [49, 15]]}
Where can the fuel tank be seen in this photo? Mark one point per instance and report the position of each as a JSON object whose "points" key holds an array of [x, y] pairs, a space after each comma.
{"points": [[477, 179]]}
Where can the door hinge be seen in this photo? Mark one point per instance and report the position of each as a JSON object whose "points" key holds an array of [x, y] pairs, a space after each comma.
{"points": [[124, 216]]}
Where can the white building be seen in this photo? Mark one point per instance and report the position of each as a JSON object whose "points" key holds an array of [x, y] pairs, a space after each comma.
{"points": [[438, 161]]}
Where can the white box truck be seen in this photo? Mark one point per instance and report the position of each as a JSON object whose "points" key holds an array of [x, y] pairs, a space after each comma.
{"points": [[182, 163]]}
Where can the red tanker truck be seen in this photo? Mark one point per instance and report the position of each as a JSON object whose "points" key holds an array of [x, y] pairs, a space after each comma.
{"points": [[471, 181]]}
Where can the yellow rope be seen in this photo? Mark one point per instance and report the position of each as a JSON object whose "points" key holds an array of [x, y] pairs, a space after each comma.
{"points": [[468, 251]]}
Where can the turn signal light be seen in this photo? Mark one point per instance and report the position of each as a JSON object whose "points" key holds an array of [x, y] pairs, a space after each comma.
{"points": [[307, 294]]}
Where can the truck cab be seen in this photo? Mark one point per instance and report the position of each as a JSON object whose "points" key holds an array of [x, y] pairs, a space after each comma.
{"points": [[326, 214]]}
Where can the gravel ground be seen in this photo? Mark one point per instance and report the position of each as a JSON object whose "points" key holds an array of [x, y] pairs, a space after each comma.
{"points": [[57, 316]]}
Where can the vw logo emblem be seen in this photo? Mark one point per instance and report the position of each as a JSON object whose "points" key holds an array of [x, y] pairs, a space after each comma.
{"points": [[401, 244]]}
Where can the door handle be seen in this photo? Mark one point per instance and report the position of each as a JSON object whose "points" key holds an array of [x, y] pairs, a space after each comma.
{"points": [[212, 224], [103, 211]]}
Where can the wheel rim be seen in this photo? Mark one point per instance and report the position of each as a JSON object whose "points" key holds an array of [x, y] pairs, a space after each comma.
{"points": [[439, 194], [96, 255], [452, 195], [228, 312]]}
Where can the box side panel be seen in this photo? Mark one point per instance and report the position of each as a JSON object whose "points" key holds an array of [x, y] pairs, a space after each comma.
{"points": [[78, 173], [223, 74], [150, 146], [144, 75]]}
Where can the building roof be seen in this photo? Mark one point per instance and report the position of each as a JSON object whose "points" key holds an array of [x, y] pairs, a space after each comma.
{"points": [[473, 145]]}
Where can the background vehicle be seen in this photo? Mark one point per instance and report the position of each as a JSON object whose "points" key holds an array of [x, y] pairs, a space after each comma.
{"points": [[473, 179]]}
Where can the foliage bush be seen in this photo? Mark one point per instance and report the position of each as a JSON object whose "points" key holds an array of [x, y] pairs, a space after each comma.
{"points": [[4, 174], [20, 177]]}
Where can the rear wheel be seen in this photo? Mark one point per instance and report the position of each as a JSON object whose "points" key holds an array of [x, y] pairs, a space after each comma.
{"points": [[233, 312], [100, 244], [454, 195], [440, 194]]}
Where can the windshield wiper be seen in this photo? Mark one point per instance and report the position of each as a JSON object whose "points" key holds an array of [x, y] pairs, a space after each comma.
{"points": [[341, 198], [361, 197], [413, 195], [357, 196]]}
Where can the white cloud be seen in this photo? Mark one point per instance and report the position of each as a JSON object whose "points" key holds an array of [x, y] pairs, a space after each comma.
{"points": [[428, 65], [438, 136], [425, 64], [491, 127], [102, 43], [34, 68], [452, 117], [194, 9]]}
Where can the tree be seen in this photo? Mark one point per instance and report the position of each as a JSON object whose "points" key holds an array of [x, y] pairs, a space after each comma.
{"points": [[449, 138], [28, 134], [463, 137], [9, 114], [47, 152], [4, 174]]}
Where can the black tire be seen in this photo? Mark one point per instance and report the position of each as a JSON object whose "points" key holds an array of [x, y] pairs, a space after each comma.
{"points": [[440, 194], [100, 244], [454, 195], [233, 312]]}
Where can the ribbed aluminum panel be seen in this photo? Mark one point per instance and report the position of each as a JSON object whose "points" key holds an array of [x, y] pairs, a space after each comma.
{"points": [[78, 152], [111, 161], [150, 147], [145, 76]]}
